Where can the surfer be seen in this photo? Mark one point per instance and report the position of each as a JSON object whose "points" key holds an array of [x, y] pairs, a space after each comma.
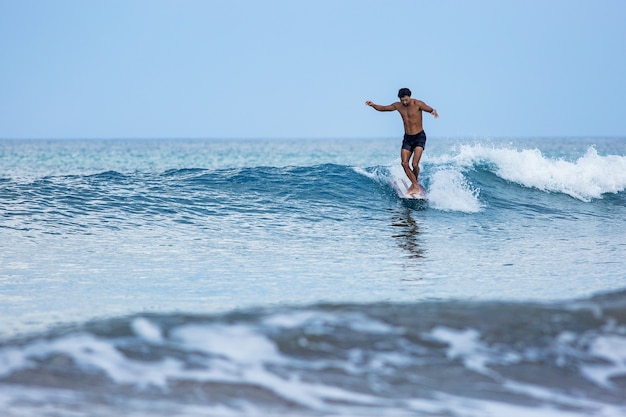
{"points": [[414, 137]]}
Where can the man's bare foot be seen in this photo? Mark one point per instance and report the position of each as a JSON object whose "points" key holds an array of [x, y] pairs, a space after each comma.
{"points": [[413, 189]]}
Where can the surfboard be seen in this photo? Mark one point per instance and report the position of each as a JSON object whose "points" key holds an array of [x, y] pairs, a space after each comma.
{"points": [[401, 186]]}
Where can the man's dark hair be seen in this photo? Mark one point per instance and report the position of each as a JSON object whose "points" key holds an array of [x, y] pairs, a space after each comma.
{"points": [[404, 92]]}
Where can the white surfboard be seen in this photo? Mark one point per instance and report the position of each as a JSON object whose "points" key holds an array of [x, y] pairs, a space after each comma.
{"points": [[401, 186]]}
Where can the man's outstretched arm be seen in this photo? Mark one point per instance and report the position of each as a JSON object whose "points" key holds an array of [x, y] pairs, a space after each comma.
{"points": [[425, 107], [378, 107]]}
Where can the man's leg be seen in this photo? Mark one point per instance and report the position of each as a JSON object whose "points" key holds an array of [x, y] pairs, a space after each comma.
{"points": [[417, 155], [405, 156]]}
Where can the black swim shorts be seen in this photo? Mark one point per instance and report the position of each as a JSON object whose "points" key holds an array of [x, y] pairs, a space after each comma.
{"points": [[411, 142]]}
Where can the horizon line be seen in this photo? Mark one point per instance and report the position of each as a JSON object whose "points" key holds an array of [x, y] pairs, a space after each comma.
{"points": [[474, 137]]}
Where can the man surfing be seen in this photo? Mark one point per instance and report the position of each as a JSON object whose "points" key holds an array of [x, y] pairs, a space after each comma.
{"points": [[414, 137]]}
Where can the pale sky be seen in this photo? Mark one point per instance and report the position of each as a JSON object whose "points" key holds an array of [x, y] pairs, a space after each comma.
{"points": [[303, 69]]}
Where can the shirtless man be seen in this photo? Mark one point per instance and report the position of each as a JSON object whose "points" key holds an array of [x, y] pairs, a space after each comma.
{"points": [[414, 137]]}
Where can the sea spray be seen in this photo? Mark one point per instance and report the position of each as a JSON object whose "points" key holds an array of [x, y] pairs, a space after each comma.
{"points": [[585, 177], [450, 191]]}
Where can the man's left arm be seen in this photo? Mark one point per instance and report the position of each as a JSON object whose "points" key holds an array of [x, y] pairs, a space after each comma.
{"points": [[425, 107]]}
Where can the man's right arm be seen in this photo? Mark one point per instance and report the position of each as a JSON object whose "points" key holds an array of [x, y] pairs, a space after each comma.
{"points": [[378, 107]]}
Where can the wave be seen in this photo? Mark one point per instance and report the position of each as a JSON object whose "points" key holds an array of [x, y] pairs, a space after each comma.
{"points": [[469, 180], [586, 178], [431, 358]]}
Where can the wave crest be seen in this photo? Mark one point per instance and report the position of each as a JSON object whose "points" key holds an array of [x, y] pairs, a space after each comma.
{"points": [[586, 178]]}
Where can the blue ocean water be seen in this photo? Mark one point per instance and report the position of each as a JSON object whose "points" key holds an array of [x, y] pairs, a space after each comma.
{"points": [[285, 277]]}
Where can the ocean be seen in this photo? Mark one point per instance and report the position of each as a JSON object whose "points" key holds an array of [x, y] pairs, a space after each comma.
{"points": [[286, 278]]}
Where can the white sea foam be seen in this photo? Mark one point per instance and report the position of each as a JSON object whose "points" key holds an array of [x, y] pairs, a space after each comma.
{"points": [[355, 321], [585, 178], [450, 191], [464, 345], [90, 352], [238, 343], [612, 350], [147, 330], [249, 353]]}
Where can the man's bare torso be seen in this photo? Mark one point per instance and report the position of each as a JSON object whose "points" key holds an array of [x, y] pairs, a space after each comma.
{"points": [[411, 115]]}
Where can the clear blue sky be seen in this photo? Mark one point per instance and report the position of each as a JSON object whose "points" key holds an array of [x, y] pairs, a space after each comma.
{"points": [[297, 68]]}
